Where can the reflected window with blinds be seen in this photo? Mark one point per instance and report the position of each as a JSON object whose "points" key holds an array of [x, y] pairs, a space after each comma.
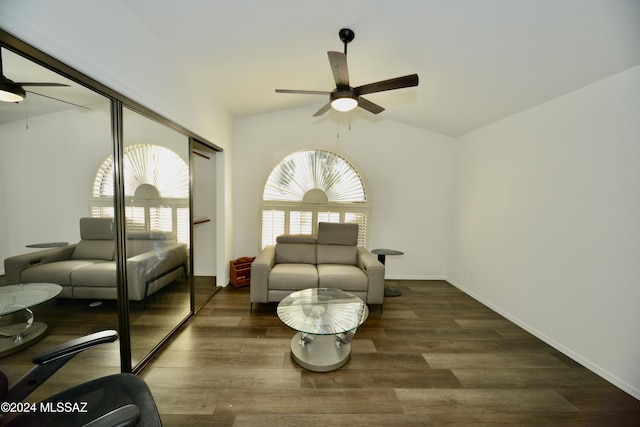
{"points": [[156, 190], [308, 187]]}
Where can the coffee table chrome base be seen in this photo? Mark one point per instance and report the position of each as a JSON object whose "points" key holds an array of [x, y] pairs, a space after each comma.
{"points": [[320, 354], [13, 344]]}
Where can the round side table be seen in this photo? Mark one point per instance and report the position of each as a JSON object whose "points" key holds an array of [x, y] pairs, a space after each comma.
{"points": [[382, 256]]}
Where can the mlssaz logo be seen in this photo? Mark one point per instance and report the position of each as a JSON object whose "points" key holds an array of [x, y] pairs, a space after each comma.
{"points": [[53, 407]]}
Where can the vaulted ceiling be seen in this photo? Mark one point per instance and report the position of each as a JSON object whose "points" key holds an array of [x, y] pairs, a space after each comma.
{"points": [[478, 60]]}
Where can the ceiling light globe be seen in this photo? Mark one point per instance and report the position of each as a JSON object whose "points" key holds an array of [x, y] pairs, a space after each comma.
{"points": [[344, 104], [11, 93]]}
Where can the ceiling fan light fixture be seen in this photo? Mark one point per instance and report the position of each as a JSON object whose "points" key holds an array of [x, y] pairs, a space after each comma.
{"points": [[11, 92], [344, 103]]}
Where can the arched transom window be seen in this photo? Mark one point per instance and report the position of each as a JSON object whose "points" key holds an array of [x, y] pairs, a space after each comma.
{"points": [[312, 186], [156, 186]]}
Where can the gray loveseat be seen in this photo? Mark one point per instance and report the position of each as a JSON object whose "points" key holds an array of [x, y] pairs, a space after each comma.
{"points": [[87, 269], [332, 260]]}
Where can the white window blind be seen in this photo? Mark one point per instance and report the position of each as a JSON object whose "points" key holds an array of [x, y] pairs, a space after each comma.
{"points": [[272, 225], [163, 206], [309, 187]]}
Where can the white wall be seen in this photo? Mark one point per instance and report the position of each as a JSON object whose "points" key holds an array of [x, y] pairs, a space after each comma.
{"points": [[50, 167], [408, 171], [546, 225]]}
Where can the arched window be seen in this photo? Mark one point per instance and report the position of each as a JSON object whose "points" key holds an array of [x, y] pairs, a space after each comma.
{"points": [[312, 186], [156, 190]]}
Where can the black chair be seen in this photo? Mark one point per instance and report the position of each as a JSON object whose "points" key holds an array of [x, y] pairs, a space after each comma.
{"points": [[115, 400]]}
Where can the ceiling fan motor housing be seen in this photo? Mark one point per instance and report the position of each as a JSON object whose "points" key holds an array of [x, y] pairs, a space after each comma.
{"points": [[346, 35], [347, 93], [11, 92]]}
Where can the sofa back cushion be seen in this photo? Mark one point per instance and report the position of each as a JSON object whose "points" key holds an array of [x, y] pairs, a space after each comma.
{"points": [[337, 254], [97, 229], [98, 239], [331, 233], [295, 249], [94, 249], [139, 242], [337, 243]]}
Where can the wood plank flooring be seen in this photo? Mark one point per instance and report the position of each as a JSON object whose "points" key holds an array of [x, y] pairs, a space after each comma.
{"points": [[435, 356]]}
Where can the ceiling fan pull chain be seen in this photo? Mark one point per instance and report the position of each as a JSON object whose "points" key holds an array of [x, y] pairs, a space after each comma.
{"points": [[26, 114]]}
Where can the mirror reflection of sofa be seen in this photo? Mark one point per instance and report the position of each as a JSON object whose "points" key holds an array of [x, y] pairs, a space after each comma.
{"points": [[87, 269]]}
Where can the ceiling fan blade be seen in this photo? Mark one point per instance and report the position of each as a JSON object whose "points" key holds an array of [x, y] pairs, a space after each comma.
{"points": [[326, 107], [303, 92], [369, 106], [40, 84], [56, 99], [338, 61], [397, 83]]}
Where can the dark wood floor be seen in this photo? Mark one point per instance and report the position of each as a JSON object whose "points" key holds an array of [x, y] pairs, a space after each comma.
{"points": [[435, 356]]}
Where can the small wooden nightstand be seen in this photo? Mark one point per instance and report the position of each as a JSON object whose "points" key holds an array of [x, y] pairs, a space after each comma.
{"points": [[240, 272]]}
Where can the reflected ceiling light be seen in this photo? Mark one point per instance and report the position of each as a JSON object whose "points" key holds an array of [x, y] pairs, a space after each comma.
{"points": [[10, 92], [343, 101]]}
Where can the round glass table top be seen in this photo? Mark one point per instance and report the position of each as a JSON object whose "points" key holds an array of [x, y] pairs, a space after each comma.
{"points": [[322, 311], [16, 297]]}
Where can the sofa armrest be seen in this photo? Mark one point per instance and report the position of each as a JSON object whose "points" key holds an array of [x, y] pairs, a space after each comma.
{"points": [[155, 263], [375, 273], [15, 265], [260, 269]]}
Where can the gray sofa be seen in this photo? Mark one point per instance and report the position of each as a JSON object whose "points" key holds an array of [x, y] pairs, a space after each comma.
{"points": [[87, 269], [332, 260]]}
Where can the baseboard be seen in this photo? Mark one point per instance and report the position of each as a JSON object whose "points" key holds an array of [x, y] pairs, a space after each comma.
{"points": [[203, 273], [598, 370], [406, 277]]}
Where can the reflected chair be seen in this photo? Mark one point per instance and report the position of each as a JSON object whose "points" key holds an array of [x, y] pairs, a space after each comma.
{"points": [[114, 400]]}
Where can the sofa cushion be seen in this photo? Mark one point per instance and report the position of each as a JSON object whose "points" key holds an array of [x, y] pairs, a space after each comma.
{"points": [[296, 253], [101, 274], [56, 272], [336, 254], [345, 277], [97, 228], [296, 238], [331, 233], [95, 249], [137, 247], [293, 276]]}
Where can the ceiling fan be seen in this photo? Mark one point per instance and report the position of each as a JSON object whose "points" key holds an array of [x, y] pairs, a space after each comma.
{"points": [[345, 97], [11, 91]]}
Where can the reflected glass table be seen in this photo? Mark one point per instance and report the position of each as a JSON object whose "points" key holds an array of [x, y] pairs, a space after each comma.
{"points": [[21, 298], [326, 321]]}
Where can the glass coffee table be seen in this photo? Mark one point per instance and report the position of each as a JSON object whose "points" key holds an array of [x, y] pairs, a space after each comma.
{"points": [[18, 298], [326, 321]]}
